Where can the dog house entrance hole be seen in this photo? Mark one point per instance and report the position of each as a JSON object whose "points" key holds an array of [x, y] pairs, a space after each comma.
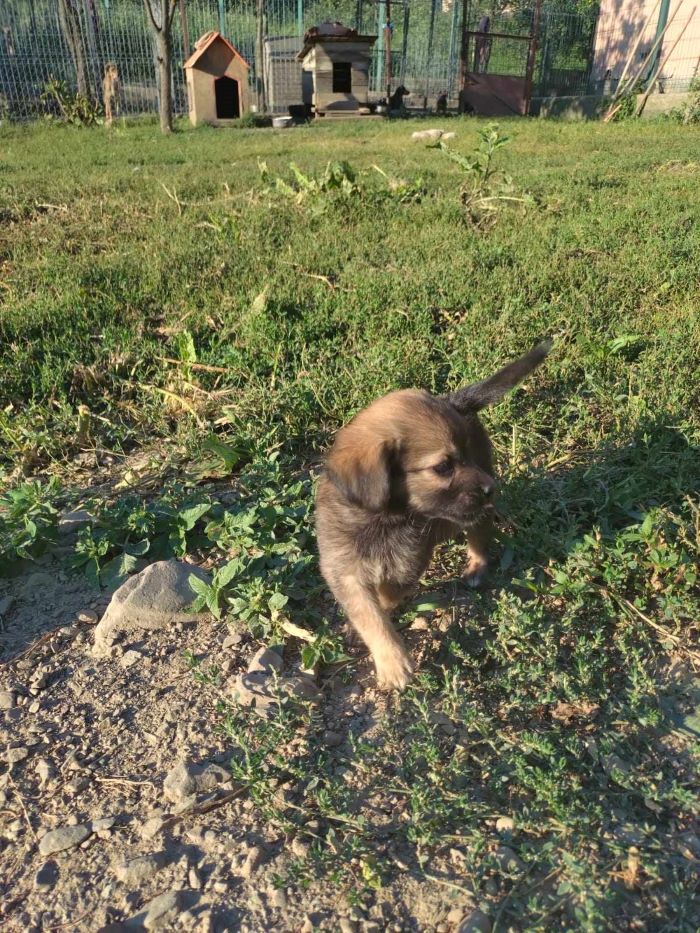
{"points": [[227, 100], [342, 77]]}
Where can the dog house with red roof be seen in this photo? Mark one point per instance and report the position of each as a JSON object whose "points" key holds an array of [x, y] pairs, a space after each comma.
{"points": [[217, 81]]}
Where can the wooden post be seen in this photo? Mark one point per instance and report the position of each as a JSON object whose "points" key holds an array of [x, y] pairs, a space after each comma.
{"points": [[185, 30], [259, 55], [464, 55], [431, 34], [387, 50], [531, 56]]}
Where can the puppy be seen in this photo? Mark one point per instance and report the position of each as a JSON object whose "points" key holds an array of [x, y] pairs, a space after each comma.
{"points": [[441, 103], [396, 99], [410, 471]]}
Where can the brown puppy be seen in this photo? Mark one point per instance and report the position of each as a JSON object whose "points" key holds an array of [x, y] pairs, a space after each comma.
{"points": [[408, 472]]}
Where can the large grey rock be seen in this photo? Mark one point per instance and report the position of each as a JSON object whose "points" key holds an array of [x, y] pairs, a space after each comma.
{"points": [[158, 596], [65, 837]]}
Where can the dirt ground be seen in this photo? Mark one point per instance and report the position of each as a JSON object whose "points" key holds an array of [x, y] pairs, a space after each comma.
{"points": [[88, 743]]}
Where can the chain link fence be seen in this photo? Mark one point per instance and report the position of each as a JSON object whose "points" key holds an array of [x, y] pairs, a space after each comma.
{"points": [[72, 40]]}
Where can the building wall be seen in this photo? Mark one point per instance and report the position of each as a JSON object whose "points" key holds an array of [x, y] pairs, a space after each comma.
{"points": [[619, 24]]}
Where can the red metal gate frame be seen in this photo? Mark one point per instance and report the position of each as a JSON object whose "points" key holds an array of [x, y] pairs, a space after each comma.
{"points": [[532, 41]]}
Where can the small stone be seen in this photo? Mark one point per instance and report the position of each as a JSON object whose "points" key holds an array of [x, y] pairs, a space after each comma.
{"points": [[267, 660], [508, 860], [505, 824], [220, 887], [194, 881], [253, 861], [278, 899], [443, 722], [346, 925], [7, 699], [302, 686], [35, 706], [102, 824], [232, 640], [455, 916], [88, 617], [129, 658], [187, 779], [137, 870], [307, 926], [420, 624], [151, 827], [159, 913], [46, 877], [65, 837], [476, 922], [300, 848], [15, 755], [71, 522]]}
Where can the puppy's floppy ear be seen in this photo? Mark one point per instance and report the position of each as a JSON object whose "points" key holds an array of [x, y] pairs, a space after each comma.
{"points": [[489, 391], [361, 472]]}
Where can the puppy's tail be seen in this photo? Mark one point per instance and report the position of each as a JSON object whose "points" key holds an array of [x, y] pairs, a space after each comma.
{"points": [[489, 391]]}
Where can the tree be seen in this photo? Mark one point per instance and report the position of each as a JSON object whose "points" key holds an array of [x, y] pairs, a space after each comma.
{"points": [[160, 13], [69, 18]]}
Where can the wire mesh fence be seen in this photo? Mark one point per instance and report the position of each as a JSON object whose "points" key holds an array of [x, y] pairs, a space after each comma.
{"points": [[71, 40]]}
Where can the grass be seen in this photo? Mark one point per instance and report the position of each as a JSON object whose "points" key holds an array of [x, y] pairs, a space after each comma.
{"points": [[158, 288]]}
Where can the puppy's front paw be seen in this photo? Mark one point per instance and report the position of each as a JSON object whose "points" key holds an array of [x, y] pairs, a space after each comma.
{"points": [[475, 573], [394, 668]]}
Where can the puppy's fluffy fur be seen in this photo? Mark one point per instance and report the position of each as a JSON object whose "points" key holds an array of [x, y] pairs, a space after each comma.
{"points": [[408, 472]]}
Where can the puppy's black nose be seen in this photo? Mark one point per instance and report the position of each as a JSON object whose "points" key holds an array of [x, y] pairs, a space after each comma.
{"points": [[488, 487]]}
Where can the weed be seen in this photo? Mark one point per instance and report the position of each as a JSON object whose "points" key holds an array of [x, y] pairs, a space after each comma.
{"points": [[486, 189], [74, 108], [108, 549], [28, 519]]}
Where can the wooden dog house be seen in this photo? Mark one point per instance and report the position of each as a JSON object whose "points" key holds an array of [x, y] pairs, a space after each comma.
{"points": [[335, 64], [217, 81]]}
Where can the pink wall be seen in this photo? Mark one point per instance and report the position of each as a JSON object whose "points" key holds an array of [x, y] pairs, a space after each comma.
{"points": [[619, 24]]}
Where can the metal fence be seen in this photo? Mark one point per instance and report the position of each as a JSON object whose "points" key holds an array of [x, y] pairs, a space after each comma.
{"points": [[40, 39]]}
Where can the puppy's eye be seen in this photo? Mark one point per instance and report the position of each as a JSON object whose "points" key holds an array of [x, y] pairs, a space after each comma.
{"points": [[446, 468]]}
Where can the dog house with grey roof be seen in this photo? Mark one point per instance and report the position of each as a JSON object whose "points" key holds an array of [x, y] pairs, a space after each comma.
{"points": [[217, 81], [338, 60]]}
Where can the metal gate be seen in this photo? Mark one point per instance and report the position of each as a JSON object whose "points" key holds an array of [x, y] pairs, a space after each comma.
{"points": [[498, 69]]}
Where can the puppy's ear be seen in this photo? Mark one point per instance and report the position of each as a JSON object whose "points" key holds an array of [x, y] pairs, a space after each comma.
{"points": [[478, 396], [362, 473]]}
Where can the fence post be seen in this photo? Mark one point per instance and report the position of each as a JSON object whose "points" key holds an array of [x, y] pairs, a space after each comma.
{"points": [[532, 56], [185, 30], [464, 54]]}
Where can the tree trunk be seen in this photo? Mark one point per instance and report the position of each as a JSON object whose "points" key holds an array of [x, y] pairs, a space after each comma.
{"points": [[69, 18], [160, 14], [165, 76]]}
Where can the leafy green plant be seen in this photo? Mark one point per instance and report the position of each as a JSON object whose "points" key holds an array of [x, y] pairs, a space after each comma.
{"points": [[28, 519], [689, 113], [109, 548], [74, 108], [341, 180], [486, 189], [337, 177], [266, 536]]}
